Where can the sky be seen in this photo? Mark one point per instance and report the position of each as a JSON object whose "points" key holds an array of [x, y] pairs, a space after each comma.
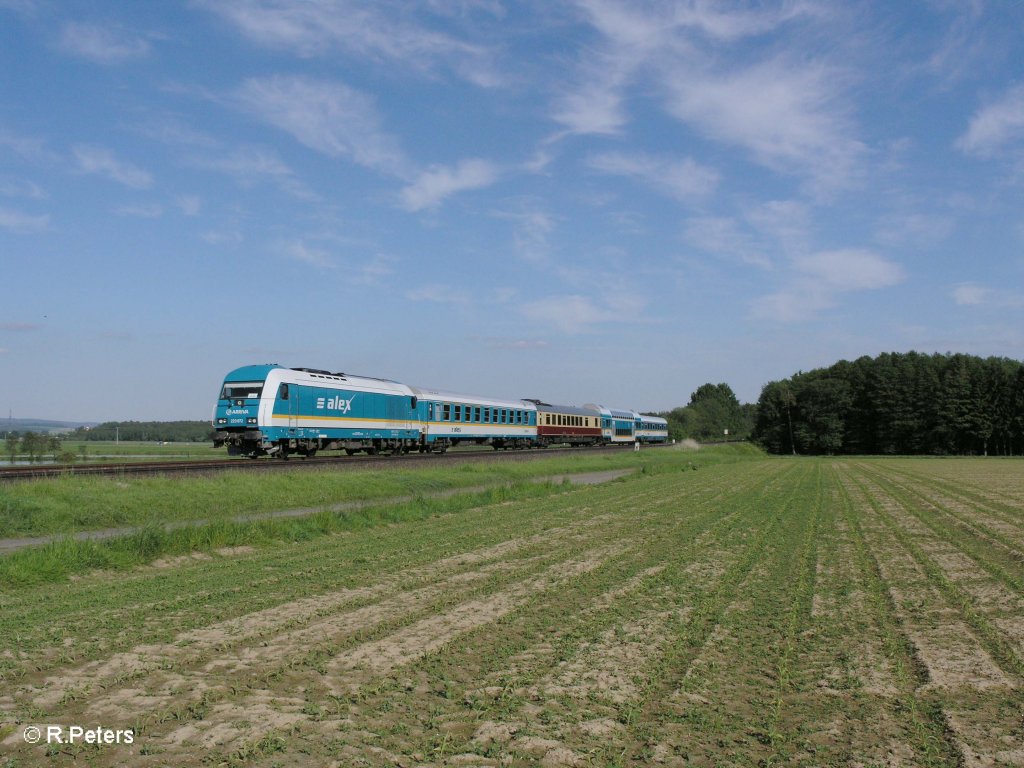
{"points": [[588, 201]]}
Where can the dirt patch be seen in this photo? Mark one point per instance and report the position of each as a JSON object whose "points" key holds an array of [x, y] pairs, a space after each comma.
{"points": [[180, 560]]}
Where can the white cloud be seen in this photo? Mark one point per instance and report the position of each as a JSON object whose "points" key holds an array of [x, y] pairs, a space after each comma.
{"points": [[23, 223], [850, 269], [10, 187], [569, 314], [102, 161], [725, 236], [505, 343], [190, 205], [249, 165], [438, 182], [439, 294], [974, 295], [146, 211], [969, 294], [683, 179], [299, 251], [328, 117], [996, 125], [790, 115], [785, 222], [818, 279], [787, 116], [103, 45], [29, 148], [593, 108], [374, 270], [394, 31], [531, 231]]}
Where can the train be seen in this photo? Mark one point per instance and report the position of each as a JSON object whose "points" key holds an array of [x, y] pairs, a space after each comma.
{"points": [[273, 410]]}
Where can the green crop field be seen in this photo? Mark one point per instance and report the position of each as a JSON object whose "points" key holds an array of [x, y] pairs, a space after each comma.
{"points": [[713, 609]]}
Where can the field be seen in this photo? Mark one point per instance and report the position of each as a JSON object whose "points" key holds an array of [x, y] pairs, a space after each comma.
{"points": [[127, 450], [817, 612]]}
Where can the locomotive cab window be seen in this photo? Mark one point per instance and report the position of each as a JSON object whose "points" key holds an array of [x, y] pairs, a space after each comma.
{"points": [[234, 390], [282, 392]]}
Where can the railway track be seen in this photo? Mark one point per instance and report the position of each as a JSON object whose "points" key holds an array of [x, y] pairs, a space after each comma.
{"points": [[209, 466]]}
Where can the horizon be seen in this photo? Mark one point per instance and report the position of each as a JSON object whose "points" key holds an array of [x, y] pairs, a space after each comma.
{"points": [[592, 201]]}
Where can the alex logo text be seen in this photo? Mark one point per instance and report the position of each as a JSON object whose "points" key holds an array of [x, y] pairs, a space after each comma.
{"points": [[339, 404]]}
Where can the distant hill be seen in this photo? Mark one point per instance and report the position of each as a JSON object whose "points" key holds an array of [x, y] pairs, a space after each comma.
{"points": [[46, 426]]}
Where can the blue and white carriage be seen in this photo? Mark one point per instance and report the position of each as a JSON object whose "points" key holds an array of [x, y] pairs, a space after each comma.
{"points": [[450, 419], [617, 426], [651, 429]]}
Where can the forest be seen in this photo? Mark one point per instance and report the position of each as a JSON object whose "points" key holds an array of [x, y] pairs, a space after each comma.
{"points": [[897, 403]]}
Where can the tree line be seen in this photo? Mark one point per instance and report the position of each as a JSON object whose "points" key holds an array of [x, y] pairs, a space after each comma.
{"points": [[159, 431], [35, 446], [897, 403]]}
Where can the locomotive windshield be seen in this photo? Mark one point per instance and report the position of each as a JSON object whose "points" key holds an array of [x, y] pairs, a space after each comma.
{"points": [[236, 390]]}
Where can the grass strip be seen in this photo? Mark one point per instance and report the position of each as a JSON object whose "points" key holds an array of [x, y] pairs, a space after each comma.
{"points": [[65, 557], [72, 504]]}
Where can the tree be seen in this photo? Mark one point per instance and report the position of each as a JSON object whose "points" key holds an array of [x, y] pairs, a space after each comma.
{"points": [[713, 410], [33, 444]]}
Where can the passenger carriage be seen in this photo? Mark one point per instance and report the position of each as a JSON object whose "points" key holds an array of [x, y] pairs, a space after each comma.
{"points": [[651, 429], [617, 426], [567, 425], [452, 419]]}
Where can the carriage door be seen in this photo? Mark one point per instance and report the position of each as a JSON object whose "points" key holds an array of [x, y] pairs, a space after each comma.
{"points": [[289, 396]]}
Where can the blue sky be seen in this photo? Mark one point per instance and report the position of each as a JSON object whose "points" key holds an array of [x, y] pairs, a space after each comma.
{"points": [[581, 201]]}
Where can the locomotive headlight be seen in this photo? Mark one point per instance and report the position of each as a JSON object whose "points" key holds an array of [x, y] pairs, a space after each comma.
{"points": [[250, 421], [222, 421]]}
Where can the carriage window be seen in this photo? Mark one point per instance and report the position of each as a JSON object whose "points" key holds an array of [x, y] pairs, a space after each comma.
{"points": [[447, 412], [487, 415], [458, 413]]}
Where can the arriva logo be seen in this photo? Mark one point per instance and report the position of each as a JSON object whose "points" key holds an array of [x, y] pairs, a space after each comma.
{"points": [[334, 404]]}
